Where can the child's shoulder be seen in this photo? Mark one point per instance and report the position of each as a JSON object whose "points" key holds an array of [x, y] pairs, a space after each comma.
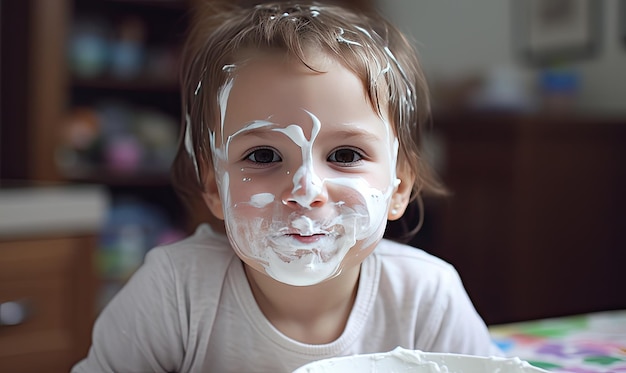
{"points": [[416, 271], [203, 247], [402, 255]]}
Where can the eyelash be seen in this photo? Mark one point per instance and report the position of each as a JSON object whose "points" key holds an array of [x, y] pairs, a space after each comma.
{"points": [[357, 152], [251, 154]]}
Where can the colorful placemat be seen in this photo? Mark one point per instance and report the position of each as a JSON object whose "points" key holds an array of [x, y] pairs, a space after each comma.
{"points": [[590, 343]]}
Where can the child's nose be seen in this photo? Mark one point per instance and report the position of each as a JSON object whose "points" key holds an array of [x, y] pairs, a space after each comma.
{"points": [[307, 191]]}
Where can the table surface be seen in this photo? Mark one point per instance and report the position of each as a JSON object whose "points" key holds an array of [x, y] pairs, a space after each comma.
{"points": [[589, 343]]}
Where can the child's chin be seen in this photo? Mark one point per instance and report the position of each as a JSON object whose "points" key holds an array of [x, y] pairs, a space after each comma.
{"points": [[306, 270]]}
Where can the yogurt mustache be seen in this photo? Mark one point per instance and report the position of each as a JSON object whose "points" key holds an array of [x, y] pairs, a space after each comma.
{"points": [[306, 236]]}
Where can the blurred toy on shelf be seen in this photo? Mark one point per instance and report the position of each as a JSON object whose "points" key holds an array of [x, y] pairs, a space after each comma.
{"points": [[123, 154], [117, 137], [559, 87], [79, 140], [127, 57], [89, 47], [158, 134], [119, 49]]}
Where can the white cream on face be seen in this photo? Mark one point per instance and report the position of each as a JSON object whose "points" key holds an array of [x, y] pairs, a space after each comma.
{"points": [[261, 200], [285, 231], [305, 177]]}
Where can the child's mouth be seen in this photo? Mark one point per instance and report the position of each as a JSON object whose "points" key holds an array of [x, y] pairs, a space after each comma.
{"points": [[296, 245], [307, 239]]}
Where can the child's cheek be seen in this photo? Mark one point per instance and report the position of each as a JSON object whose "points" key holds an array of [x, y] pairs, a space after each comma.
{"points": [[251, 193]]}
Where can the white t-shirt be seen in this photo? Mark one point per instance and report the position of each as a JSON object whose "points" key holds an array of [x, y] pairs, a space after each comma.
{"points": [[189, 308]]}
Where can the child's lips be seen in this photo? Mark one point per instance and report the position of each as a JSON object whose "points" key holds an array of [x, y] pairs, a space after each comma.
{"points": [[307, 239], [302, 242]]}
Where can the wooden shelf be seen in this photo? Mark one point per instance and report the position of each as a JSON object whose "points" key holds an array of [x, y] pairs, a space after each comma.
{"points": [[119, 178], [130, 85]]}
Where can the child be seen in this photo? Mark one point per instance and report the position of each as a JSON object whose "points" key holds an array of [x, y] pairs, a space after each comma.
{"points": [[301, 132]]}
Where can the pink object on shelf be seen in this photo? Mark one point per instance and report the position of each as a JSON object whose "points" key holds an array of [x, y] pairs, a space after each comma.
{"points": [[124, 154]]}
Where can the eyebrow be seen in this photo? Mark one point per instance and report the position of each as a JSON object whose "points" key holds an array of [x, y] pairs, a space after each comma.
{"points": [[265, 131], [356, 133]]}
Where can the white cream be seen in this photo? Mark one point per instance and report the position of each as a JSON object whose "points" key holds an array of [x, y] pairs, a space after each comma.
{"points": [[189, 145], [261, 200], [414, 361], [305, 176], [341, 39]]}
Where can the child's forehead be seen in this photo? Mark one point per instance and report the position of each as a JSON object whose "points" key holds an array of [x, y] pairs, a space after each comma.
{"points": [[265, 86]]}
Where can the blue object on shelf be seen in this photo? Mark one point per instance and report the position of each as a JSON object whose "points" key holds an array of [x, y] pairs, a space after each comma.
{"points": [[560, 81], [89, 48]]}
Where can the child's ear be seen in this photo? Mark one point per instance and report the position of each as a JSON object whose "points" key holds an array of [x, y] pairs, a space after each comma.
{"points": [[402, 196], [211, 195]]}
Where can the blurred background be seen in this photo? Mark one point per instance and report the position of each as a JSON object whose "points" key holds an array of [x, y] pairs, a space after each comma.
{"points": [[529, 135]]}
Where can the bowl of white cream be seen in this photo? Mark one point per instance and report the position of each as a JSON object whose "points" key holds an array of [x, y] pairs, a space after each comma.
{"points": [[401, 360]]}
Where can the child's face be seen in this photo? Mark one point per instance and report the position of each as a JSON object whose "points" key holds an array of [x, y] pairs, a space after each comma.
{"points": [[305, 168]]}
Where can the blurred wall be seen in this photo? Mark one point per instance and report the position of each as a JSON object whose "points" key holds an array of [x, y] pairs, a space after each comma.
{"points": [[456, 38], [530, 193]]}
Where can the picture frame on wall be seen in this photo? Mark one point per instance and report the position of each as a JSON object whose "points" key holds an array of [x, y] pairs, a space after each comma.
{"points": [[556, 31]]}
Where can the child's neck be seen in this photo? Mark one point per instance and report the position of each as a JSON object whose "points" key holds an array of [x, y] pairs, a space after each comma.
{"points": [[310, 314]]}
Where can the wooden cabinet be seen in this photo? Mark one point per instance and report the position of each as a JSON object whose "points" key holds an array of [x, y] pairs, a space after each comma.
{"points": [[535, 222], [48, 282], [47, 302]]}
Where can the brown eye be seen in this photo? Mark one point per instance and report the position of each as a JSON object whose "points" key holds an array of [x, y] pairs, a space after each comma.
{"points": [[264, 155], [345, 156]]}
